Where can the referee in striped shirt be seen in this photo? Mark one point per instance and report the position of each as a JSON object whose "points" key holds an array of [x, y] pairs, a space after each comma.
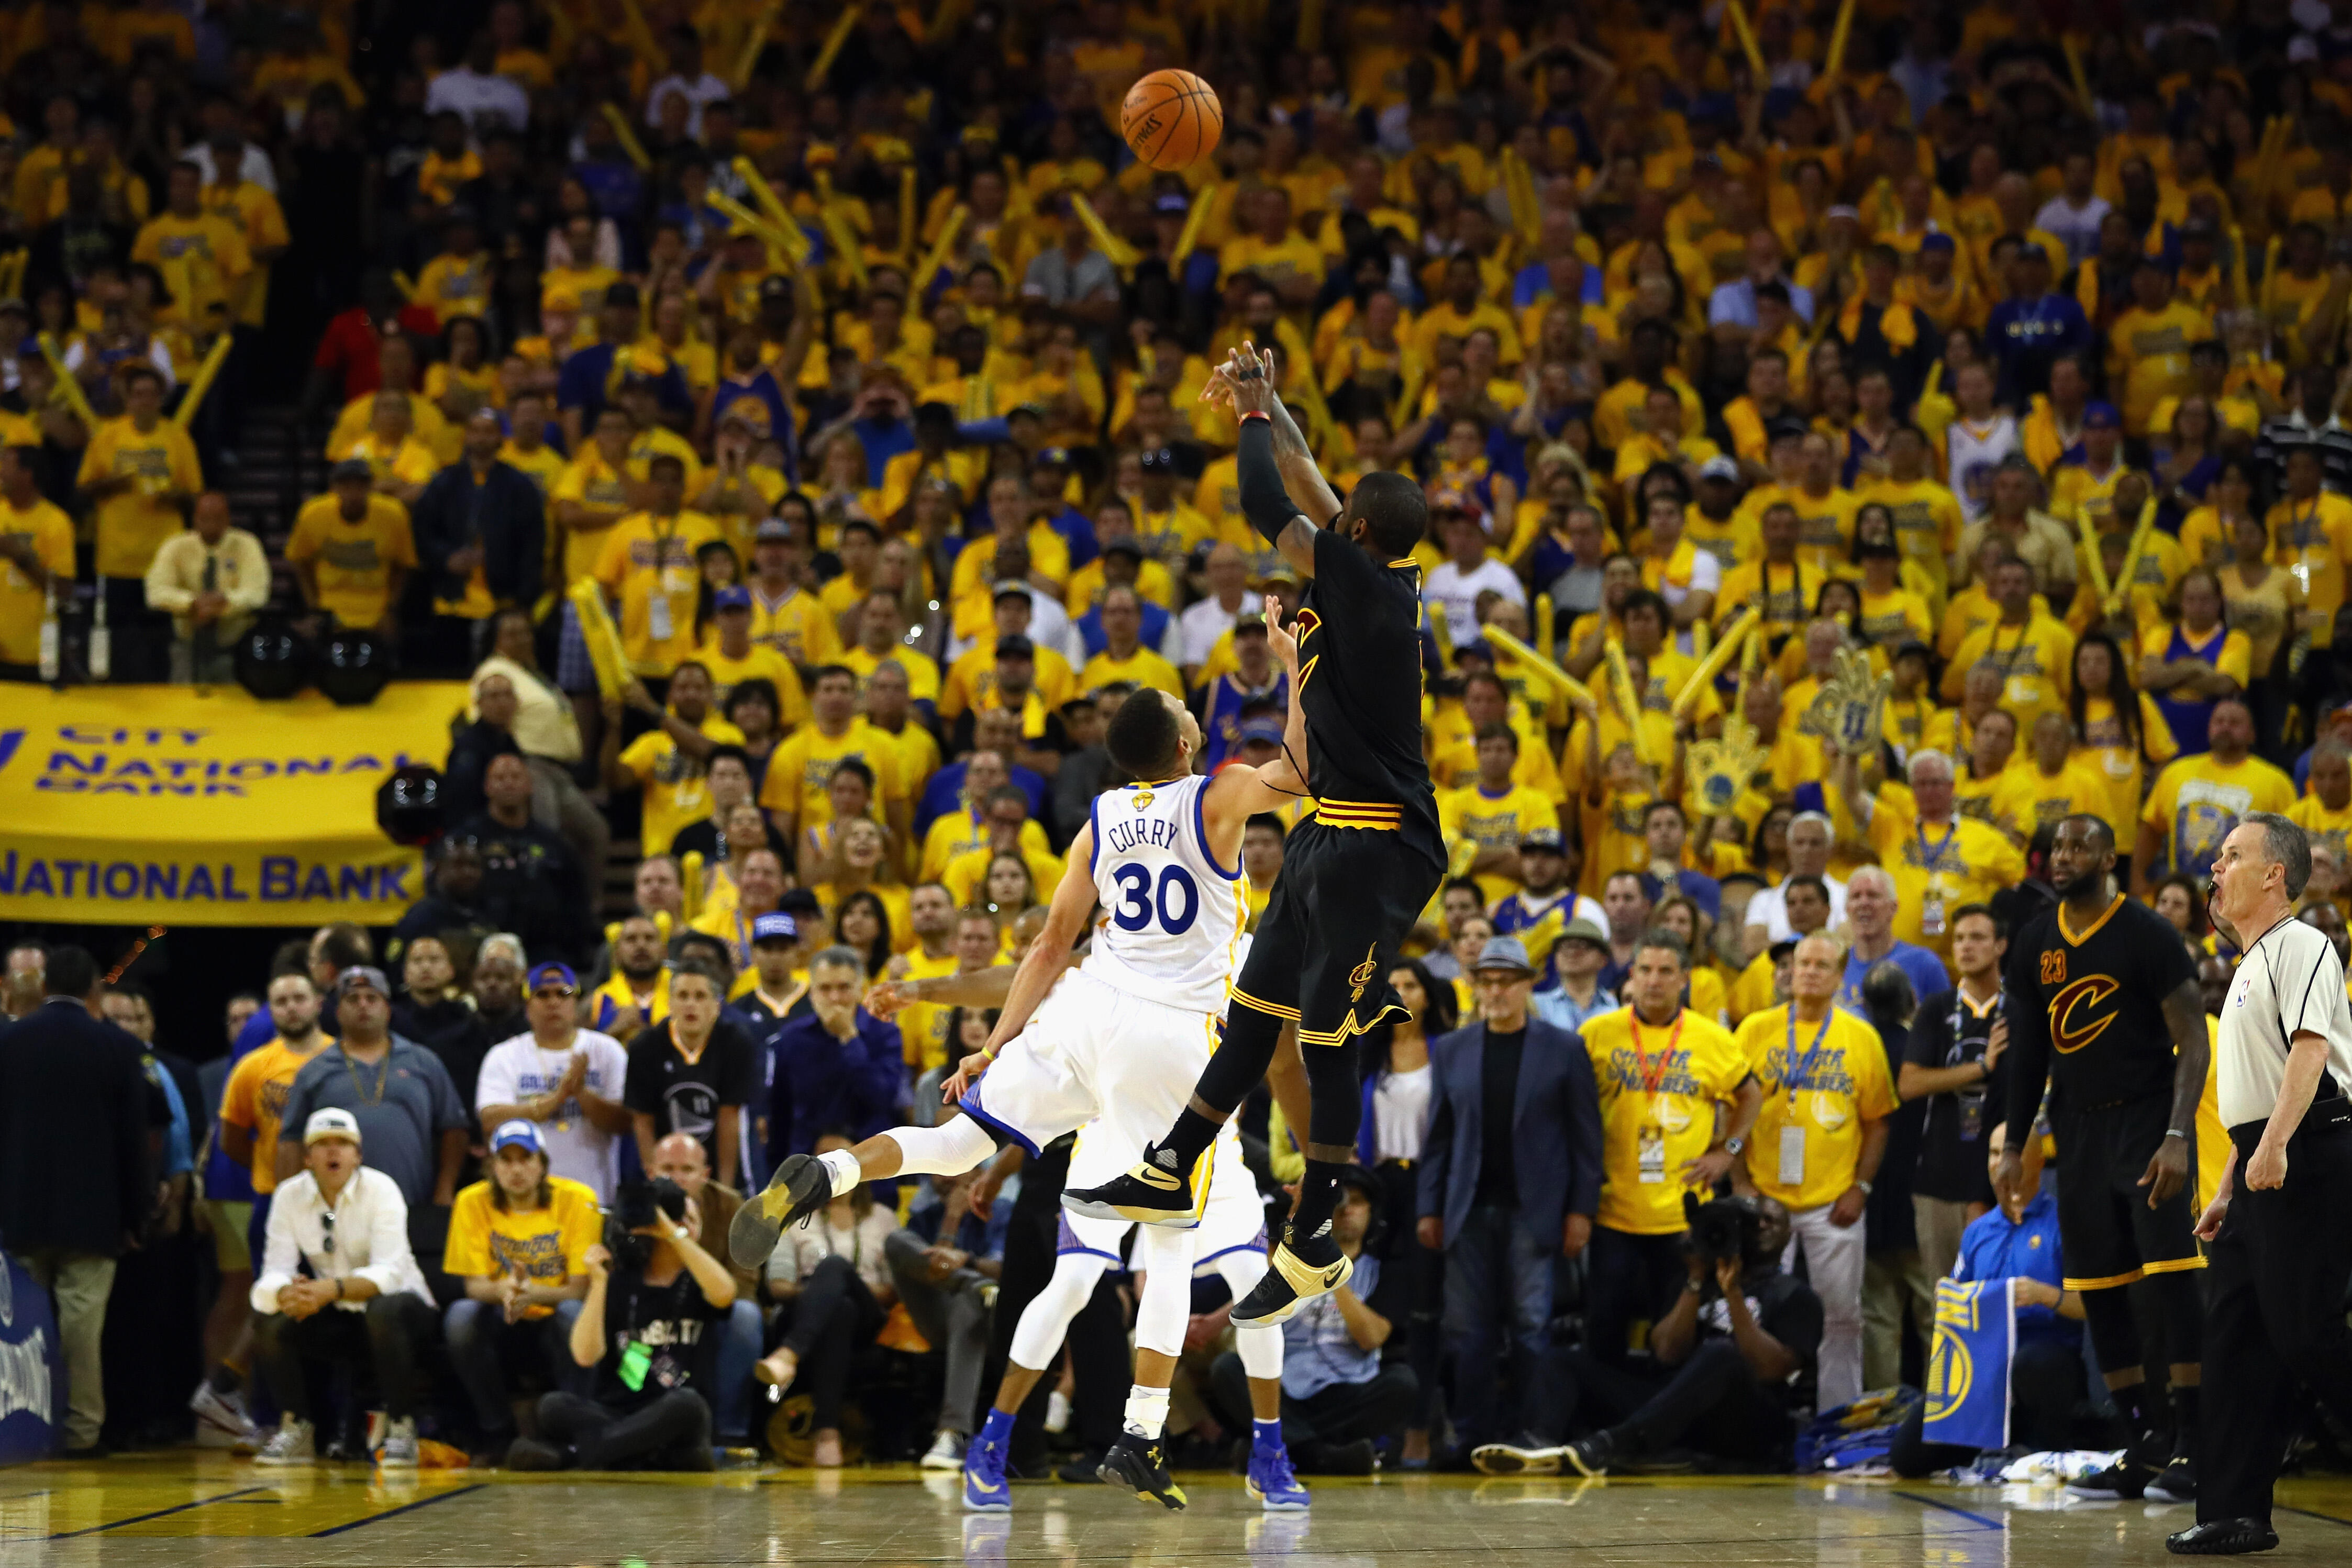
{"points": [[2280, 1228]]}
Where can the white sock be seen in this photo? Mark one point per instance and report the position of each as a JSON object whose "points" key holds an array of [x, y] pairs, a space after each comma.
{"points": [[1146, 1411], [842, 1166]]}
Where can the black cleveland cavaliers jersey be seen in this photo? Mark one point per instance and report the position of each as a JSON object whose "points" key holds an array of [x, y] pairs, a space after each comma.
{"points": [[2093, 1004], [1360, 683]]}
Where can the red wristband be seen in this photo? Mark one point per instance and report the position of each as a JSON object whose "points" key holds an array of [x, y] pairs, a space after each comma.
{"points": [[1260, 415]]}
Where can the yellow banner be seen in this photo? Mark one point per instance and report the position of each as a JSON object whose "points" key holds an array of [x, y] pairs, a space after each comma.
{"points": [[165, 805]]}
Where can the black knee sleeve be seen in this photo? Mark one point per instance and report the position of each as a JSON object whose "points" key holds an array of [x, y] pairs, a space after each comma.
{"points": [[1240, 1059], [2181, 1307], [2114, 1332], [1334, 1095]]}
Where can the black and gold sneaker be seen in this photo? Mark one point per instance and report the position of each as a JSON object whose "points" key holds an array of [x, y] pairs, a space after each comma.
{"points": [[1156, 1190], [1140, 1465], [1300, 1273], [800, 1187]]}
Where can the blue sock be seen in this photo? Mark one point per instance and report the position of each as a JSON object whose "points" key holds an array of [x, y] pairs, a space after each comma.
{"points": [[1265, 1437], [997, 1428]]}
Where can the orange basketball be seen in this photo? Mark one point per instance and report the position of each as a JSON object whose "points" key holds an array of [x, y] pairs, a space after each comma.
{"points": [[1172, 119]]}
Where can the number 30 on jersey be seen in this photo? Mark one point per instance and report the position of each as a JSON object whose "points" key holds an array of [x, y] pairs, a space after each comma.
{"points": [[1175, 902]]}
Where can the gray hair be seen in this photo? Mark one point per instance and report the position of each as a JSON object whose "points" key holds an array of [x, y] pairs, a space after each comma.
{"points": [[839, 957], [504, 944], [1664, 941], [2286, 844], [1875, 873], [1929, 754]]}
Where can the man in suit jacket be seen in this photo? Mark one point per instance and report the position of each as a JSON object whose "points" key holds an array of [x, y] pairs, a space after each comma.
{"points": [[76, 1187], [1510, 1179]]}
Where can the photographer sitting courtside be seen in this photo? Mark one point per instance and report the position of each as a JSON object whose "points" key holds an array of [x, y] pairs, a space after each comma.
{"points": [[1730, 1351], [647, 1328]]}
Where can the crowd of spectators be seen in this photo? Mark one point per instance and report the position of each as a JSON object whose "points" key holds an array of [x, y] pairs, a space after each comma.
{"points": [[850, 372]]}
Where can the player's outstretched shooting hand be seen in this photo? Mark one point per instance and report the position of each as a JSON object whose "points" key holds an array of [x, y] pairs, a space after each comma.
{"points": [[1277, 636]]}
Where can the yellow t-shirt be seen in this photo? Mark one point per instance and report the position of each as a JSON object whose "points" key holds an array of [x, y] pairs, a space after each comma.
{"points": [[255, 1098], [2036, 661], [204, 261], [1822, 1082], [131, 525], [548, 1245], [760, 661], [1927, 522], [354, 559], [923, 1026], [2023, 798], [1143, 666], [2197, 799], [590, 480], [2147, 358], [2312, 815], [1967, 863], [648, 564], [1658, 1088], [922, 673], [24, 603], [796, 626], [2314, 537], [802, 766], [674, 784], [1493, 823]]}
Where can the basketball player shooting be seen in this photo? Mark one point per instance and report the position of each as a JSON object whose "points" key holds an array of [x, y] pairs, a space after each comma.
{"points": [[1355, 877], [1117, 1044]]}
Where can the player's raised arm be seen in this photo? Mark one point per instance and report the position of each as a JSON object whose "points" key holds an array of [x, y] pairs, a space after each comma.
{"points": [[1239, 791], [1246, 381], [1066, 919]]}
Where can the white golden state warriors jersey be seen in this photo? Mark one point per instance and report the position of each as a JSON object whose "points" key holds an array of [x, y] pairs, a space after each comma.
{"points": [[1170, 929]]}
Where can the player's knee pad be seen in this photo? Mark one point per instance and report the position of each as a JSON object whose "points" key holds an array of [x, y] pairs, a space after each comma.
{"points": [[1335, 1094], [1240, 1059], [1260, 1346], [1045, 1321], [1165, 1255], [2181, 1306], [951, 1148], [2114, 1332]]}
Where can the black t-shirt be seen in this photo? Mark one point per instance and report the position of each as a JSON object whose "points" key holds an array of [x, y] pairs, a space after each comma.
{"points": [[1950, 1032], [1498, 1095], [1360, 683], [1784, 1307], [2087, 1007], [684, 1096], [703, 838], [672, 1323]]}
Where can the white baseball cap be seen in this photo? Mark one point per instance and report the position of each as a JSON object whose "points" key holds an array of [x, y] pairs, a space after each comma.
{"points": [[331, 1123]]}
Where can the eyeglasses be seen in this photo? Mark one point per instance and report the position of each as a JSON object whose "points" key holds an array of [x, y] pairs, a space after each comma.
{"points": [[553, 991]]}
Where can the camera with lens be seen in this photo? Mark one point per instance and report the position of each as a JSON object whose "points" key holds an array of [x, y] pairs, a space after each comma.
{"points": [[1723, 1230], [639, 1204]]}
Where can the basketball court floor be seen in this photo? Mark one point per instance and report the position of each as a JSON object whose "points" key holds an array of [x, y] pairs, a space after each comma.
{"points": [[203, 1510]]}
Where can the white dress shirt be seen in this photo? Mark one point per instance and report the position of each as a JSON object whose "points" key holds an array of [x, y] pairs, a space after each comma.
{"points": [[367, 1239]]}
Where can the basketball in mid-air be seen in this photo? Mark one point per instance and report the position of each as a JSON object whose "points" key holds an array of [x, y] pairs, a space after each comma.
{"points": [[1172, 119]]}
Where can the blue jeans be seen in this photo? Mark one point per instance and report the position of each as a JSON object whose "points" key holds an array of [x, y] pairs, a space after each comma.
{"points": [[1497, 1316], [485, 1349], [738, 1349]]}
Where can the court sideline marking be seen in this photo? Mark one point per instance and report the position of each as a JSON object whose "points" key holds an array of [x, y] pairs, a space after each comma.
{"points": [[403, 1508], [159, 1513], [1982, 1520]]}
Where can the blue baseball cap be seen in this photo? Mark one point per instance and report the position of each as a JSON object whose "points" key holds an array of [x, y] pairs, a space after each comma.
{"points": [[2102, 416], [733, 597], [546, 972], [778, 927], [517, 1134]]}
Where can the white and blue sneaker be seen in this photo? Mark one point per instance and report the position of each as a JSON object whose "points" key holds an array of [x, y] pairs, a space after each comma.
{"points": [[984, 1488], [1273, 1482]]}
